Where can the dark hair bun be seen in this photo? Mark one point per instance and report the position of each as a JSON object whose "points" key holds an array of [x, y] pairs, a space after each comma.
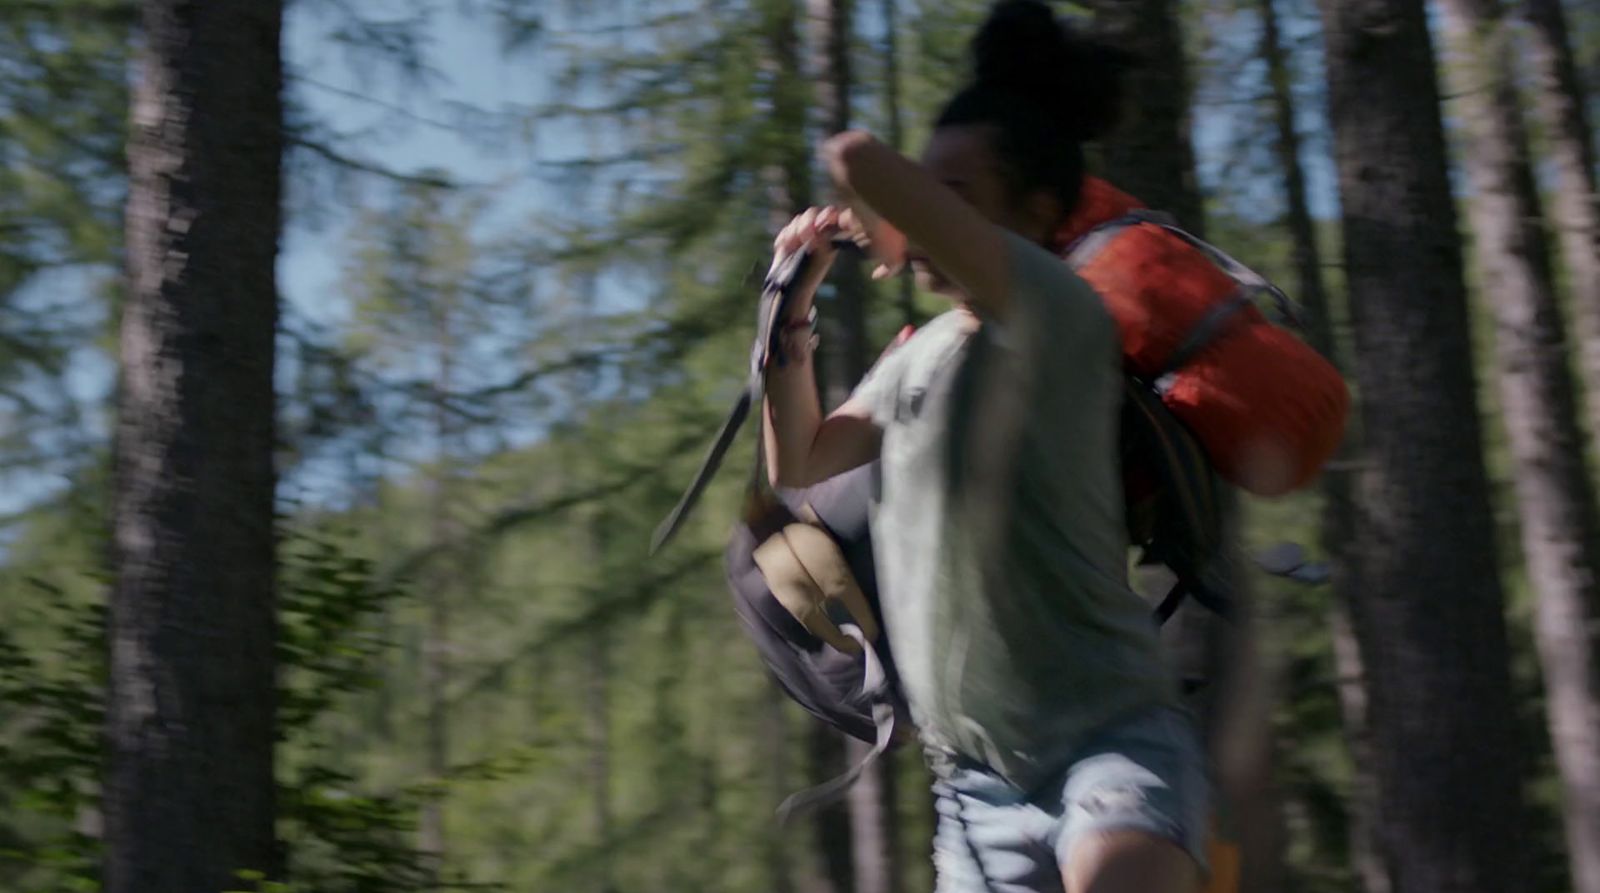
{"points": [[1024, 50]]}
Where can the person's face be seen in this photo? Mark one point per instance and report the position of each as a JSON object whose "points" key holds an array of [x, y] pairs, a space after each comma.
{"points": [[963, 158]]}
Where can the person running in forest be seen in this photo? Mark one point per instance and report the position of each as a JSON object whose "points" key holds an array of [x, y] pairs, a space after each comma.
{"points": [[1048, 709]]}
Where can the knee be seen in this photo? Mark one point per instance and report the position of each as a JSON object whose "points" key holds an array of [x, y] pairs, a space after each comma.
{"points": [[1129, 861]]}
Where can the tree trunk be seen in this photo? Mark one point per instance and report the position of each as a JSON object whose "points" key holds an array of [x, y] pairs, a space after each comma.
{"points": [[1555, 496], [775, 726], [600, 752], [789, 174], [842, 362], [1151, 155], [1234, 709], [883, 777], [905, 290], [1338, 514], [834, 838], [1429, 612], [828, 868], [1570, 145], [436, 636], [189, 790], [831, 24], [1369, 866], [841, 304], [872, 817]]}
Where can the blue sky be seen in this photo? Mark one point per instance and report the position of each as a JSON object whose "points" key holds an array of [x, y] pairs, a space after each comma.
{"points": [[473, 71], [476, 72], [311, 260]]}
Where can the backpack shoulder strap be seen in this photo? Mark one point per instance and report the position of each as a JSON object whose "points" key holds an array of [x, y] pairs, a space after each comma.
{"points": [[1083, 249], [1252, 283], [1188, 527]]}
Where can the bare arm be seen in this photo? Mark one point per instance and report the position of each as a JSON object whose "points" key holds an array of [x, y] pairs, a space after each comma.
{"points": [[880, 182], [801, 446]]}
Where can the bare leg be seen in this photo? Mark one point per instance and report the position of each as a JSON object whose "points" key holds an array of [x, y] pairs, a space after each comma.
{"points": [[1129, 862]]}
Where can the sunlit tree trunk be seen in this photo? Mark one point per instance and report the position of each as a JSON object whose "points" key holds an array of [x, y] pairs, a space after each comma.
{"points": [[842, 361], [1365, 853], [829, 866], [1569, 144], [1555, 496], [842, 358], [189, 788]]}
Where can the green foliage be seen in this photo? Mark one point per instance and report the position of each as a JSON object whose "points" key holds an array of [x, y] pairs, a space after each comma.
{"points": [[495, 416], [60, 189], [326, 642], [50, 747], [339, 836], [341, 840], [63, 101]]}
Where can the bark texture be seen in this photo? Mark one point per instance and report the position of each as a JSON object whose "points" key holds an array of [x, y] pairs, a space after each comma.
{"points": [[189, 794]]}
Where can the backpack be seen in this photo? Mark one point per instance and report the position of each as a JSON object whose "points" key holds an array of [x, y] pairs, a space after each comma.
{"points": [[1193, 331], [826, 652], [819, 671]]}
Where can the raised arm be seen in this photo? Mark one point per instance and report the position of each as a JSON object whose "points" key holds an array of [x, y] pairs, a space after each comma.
{"points": [[877, 182]]}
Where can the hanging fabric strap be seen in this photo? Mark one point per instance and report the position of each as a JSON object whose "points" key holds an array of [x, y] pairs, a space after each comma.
{"points": [[875, 687], [1203, 594], [776, 294]]}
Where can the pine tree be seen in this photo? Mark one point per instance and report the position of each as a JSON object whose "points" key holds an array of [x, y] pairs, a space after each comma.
{"points": [[190, 790], [1151, 155], [63, 107], [1555, 496], [1575, 202], [893, 117], [1338, 515]]}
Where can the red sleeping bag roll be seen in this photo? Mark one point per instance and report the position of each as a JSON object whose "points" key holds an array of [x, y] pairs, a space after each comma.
{"points": [[1268, 409]]}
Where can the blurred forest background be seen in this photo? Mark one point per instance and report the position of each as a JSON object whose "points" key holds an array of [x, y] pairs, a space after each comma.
{"points": [[504, 305]]}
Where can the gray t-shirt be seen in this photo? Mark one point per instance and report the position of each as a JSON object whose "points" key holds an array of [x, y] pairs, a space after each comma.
{"points": [[999, 532]]}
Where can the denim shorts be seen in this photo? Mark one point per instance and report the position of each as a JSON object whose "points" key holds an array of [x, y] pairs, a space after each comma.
{"points": [[1145, 774]]}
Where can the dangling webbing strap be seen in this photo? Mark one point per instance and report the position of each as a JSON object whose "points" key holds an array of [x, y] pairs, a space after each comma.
{"points": [[1184, 588], [776, 293], [875, 687]]}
